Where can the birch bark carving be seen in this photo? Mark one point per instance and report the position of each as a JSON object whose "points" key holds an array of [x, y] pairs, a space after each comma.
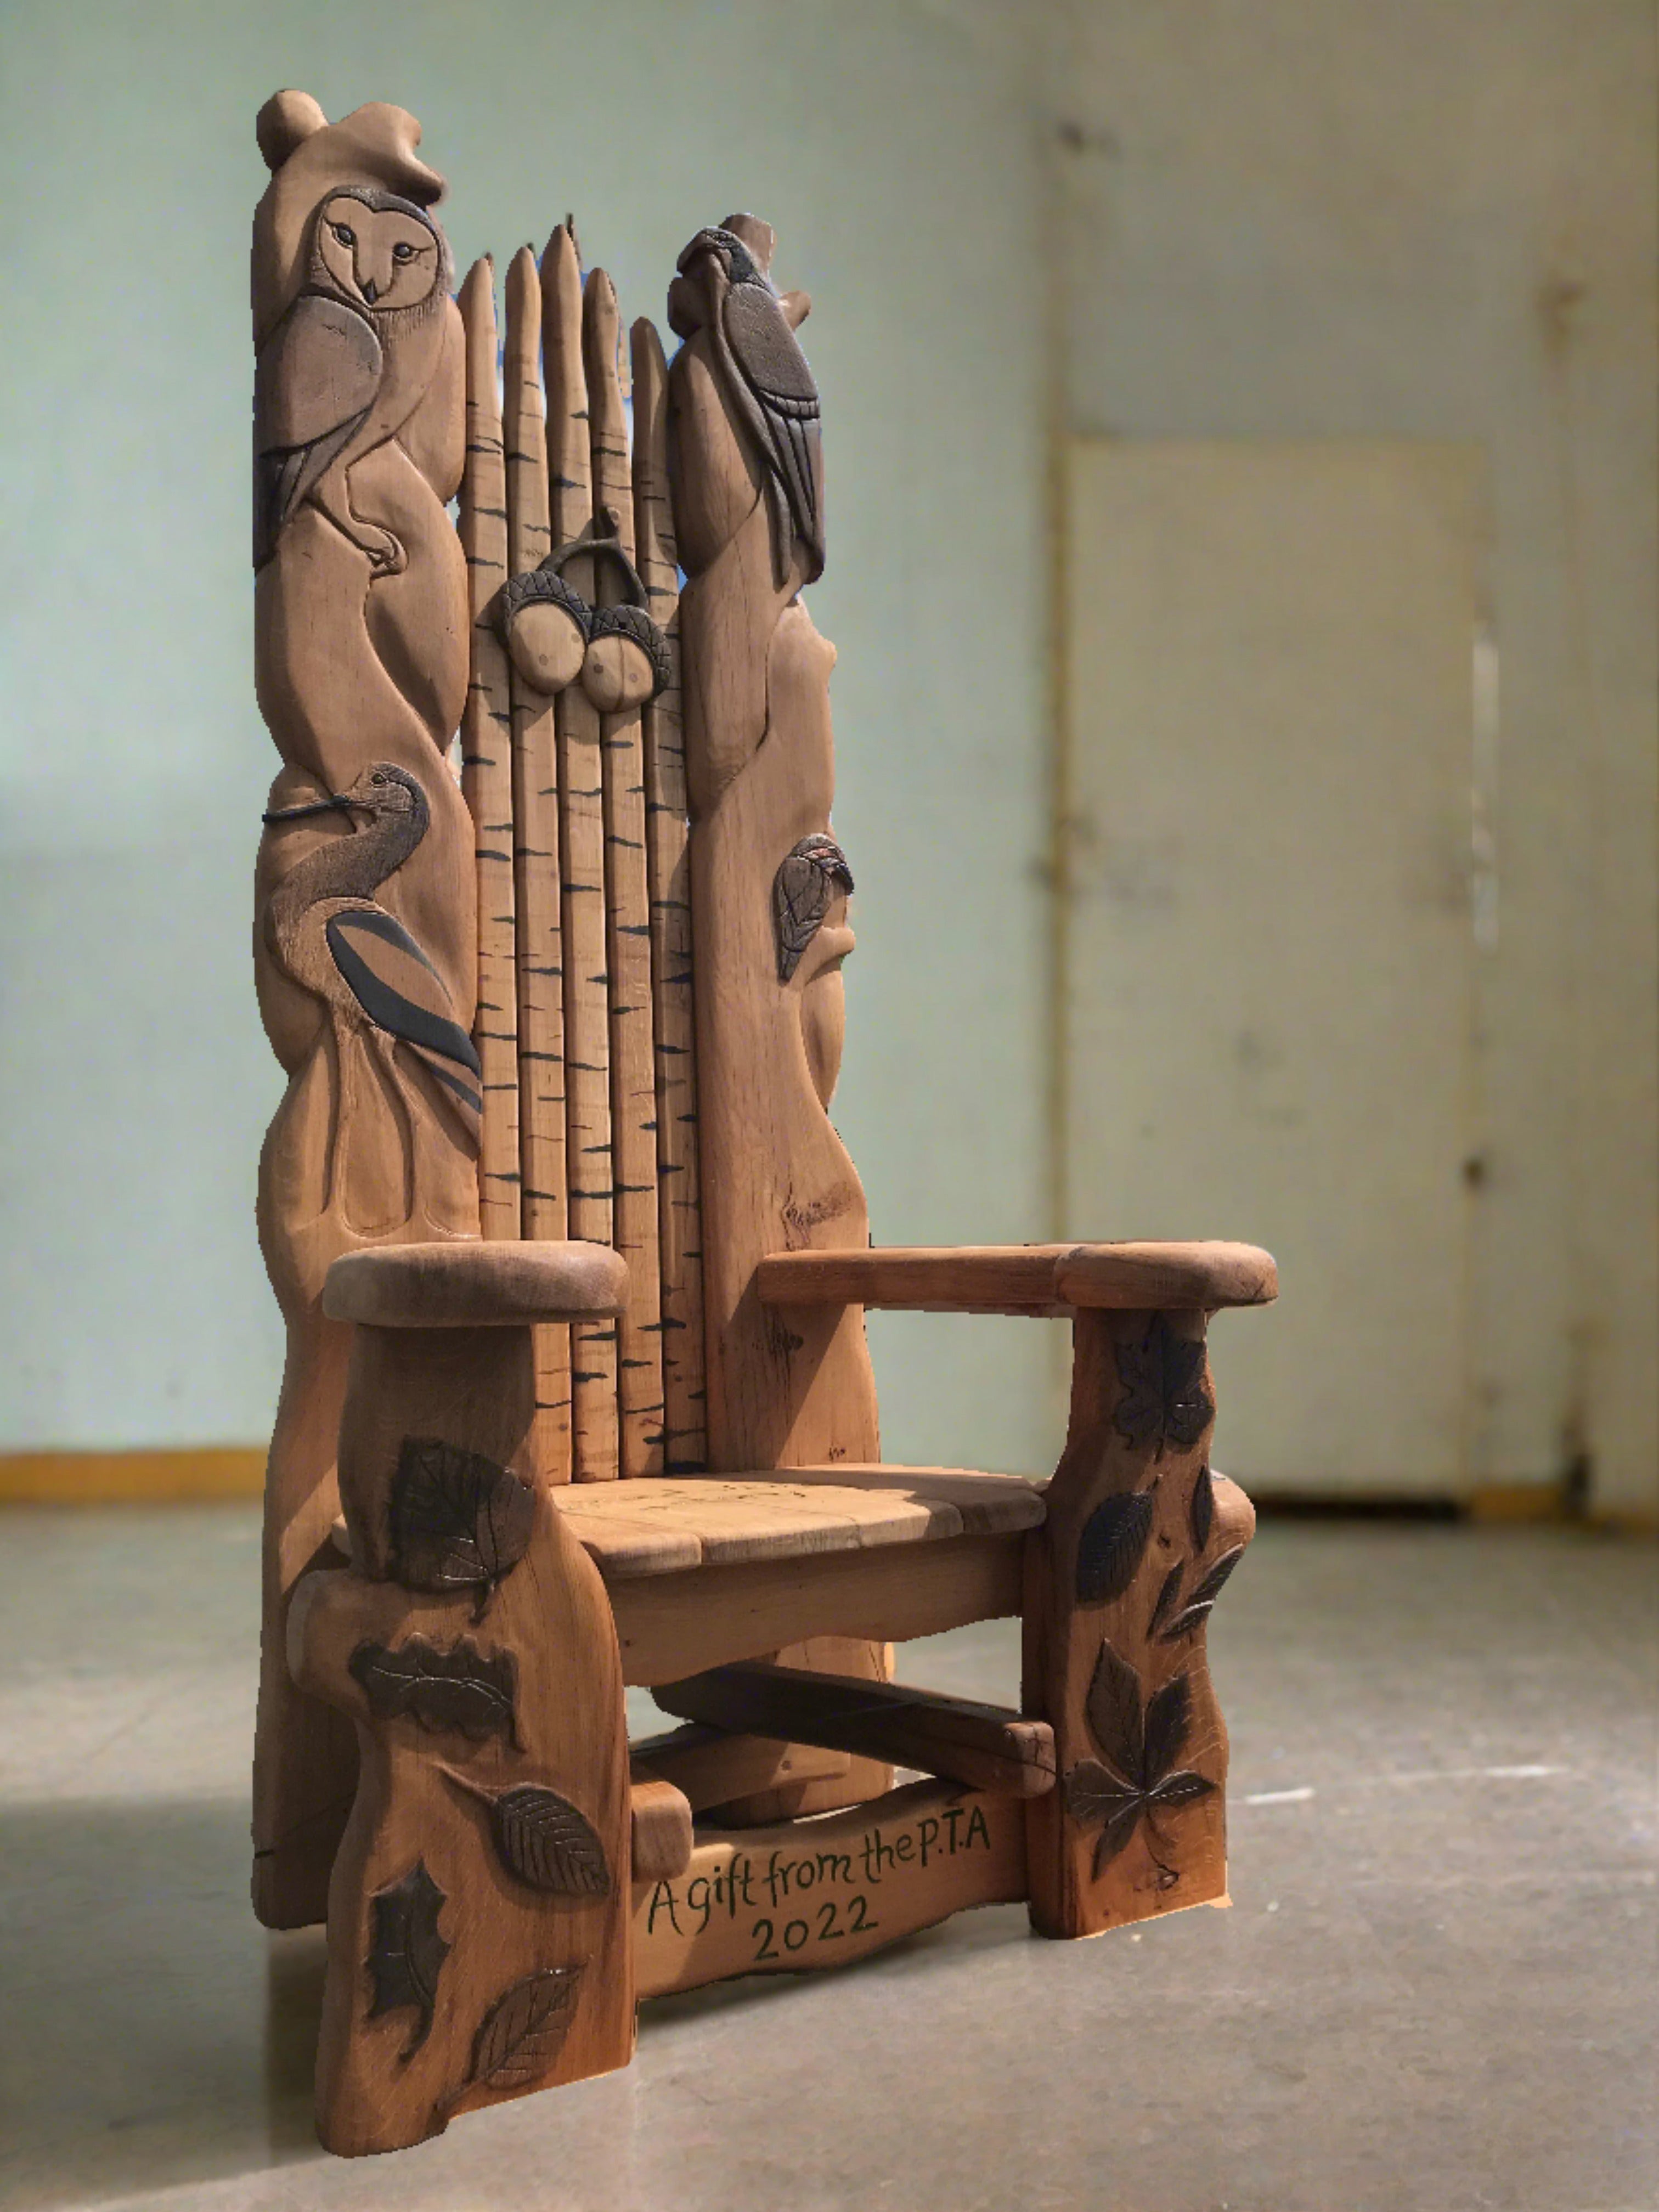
{"points": [[365, 940]]}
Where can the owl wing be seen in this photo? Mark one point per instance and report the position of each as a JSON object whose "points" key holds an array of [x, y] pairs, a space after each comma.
{"points": [[313, 384], [768, 359], [403, 994]]}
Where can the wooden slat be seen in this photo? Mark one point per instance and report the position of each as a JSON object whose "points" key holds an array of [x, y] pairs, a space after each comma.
{"points": [[981, 1746], [582, 818], [663, 1525], [679, 1208], [486, 761], [826, 1892], [669, 1625], [661, 1828], [711, 1767], [628, 934], [536, 858], [1022, 1279]]}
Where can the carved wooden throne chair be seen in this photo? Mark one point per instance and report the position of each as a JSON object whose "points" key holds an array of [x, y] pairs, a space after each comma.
{"points": [[573, 1262]]}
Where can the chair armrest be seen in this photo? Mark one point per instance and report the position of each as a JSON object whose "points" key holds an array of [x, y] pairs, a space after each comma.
{"points": [[1023, 1279], [474, 1285]]}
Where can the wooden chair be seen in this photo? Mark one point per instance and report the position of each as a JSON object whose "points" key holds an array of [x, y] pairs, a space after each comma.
{"points": [[553, 1198]]}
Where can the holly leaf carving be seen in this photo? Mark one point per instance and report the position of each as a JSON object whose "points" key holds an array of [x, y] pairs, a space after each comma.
{"points": [[523, 2032], [1165, 1401], [1111, 1546], [408, 1953], [1113, 1709], [544, 1839], [1201, 1511], [458, 1520], [460, 1691]]}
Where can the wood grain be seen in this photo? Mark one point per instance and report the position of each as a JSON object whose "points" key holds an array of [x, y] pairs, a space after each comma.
{"points": [[537, 863], [360, 625], [484, 1879], [473, 1285], [628, 934], [710, 1766], [1022, 1279], [487, 762], [979, 1746], [591, 1173], [669, 1625], [1115, 1613], [679, 1209], [660, 1817], [779, 1900]]}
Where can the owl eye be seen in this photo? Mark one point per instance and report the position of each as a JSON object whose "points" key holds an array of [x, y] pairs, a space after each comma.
{"points": [[403, 251], [345, 233]]}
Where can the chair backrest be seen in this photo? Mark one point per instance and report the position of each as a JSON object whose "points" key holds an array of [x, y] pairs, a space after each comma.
{"points": [[599, 970], [594, 992]]}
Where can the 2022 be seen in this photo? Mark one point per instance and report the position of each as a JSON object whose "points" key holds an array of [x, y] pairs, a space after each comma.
{"points": [[796, 1933]]}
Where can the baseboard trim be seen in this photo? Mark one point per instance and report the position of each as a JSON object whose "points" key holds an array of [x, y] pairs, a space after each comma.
{"points": [[171, 1474]]}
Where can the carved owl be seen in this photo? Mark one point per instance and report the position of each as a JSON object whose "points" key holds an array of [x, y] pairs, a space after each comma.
{"points": [[348, 363]]}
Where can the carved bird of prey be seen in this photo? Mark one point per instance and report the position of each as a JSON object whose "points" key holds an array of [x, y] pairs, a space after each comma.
{"points": [[348, 363], [767, 384]]}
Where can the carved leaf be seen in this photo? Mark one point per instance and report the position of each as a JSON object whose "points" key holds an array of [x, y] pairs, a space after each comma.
{"points": [[523, 2032], [458, 1520], [543, 1839], [1194, 1616], [408, 1953], [801, 892], [1114, 1712], [1181, 1789], [1165, 1398], [1201, 1512], [458, 1691], [1169, 1711], [1166, 1599], [1111, 1548], [1092, 1793], [1209, 1588], [1117, 1833]]}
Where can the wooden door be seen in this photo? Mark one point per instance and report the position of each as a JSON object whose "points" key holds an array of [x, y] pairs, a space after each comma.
{"points": [[1268, 946]]}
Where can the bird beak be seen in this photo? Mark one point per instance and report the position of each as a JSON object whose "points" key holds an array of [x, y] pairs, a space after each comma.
{"points": [[705, 241], [370, 290], [310, 806]]}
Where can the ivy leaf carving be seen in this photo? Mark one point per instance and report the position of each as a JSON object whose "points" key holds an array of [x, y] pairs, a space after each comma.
{"points": [[408, 1953], [1165, 1401], [543, 1839], [1209, 1588], [1201, 1512], [523, 2032], [1111, 1546], [458, 1520], [1166, 1599], [459, 1692], [1115, 1721]]}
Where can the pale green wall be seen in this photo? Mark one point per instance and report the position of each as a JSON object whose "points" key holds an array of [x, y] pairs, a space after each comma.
{"points": [[889, 145]]}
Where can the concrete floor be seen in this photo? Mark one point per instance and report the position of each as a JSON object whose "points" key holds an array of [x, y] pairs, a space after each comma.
{"points": [[1438, 1987]]}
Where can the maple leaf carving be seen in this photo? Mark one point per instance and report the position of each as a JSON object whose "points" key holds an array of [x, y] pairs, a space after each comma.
{"points": [[1165, 1403]]}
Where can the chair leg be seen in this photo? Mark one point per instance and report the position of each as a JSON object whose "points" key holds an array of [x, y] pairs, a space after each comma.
{"points": [[478, 1911], [1139, 1538]]}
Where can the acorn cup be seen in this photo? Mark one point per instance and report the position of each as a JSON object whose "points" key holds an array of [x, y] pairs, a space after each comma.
{"points": [[626, 664], [544, 622]]}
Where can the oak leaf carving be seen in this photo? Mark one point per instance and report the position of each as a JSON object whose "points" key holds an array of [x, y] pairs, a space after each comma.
{"points": [[459, 1692]]}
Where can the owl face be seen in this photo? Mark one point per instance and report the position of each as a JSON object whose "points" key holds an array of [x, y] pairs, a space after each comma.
{"points": [[379, 250]]}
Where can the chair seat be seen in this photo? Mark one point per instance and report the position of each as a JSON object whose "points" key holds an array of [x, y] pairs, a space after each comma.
{"points": [[662, 1525]]}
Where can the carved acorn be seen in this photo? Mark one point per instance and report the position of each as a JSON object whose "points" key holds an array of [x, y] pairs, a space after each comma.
{"points": [[627, 661], [544, 622]]}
